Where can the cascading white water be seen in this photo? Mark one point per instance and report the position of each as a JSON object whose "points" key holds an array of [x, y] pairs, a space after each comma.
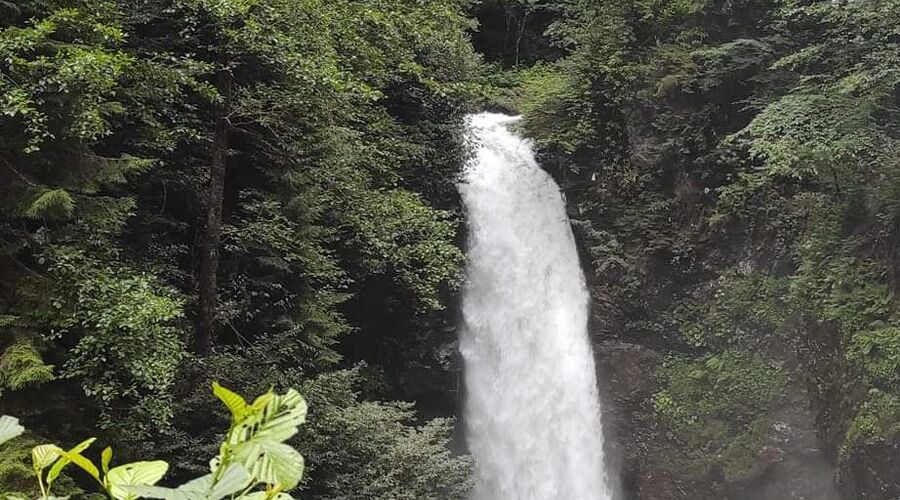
{"points": [[532, 409]]}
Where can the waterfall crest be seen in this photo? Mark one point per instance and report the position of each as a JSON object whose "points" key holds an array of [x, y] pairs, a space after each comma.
{"points": [[532, 409]]}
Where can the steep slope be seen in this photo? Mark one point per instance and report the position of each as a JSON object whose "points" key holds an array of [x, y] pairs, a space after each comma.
{"points": [[731, 168]]}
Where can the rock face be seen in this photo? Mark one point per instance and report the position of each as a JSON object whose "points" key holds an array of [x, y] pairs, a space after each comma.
{"points": [[658, 316], [789, 466], [625, 376], [871, 472]]}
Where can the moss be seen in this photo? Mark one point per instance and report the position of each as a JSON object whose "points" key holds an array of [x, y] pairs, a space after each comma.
{"points": [[733, 385], [877, 352], [734, 454], [877, 420], [715, 406], [741, 455], [742, 307]]}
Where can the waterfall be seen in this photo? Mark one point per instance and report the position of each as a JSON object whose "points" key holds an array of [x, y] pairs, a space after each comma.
{"points": [[532, 409]]}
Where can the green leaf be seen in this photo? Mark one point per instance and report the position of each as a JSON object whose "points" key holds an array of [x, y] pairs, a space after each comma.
{"points": [[260, 402], [234, 402], [106, 459], [82, 462], [9, 428], [281, 417], [64, 461], [271, 462], [120, 478], [43, 456], [258, 440], [233, 480]]}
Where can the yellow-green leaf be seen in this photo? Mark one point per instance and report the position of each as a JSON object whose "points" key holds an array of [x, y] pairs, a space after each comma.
{"points": [[260, 402], [233, 401], [64, 461], [82, 462], [43, 456], [121, 478], [106, 459]]}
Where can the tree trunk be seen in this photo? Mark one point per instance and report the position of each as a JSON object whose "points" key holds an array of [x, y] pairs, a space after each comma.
{"points": [[212, 235]]}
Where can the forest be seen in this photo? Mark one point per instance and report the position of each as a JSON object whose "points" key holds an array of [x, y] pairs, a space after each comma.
{"points": [[262, 194]]}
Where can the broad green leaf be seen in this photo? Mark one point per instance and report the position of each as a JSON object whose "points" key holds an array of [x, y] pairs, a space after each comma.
{"points": [[271, 462], [271, 417], [9, 428], [106, 459], [64, 461], [233, 401], [258, 440], [232, 481], [43, 456], [82, 462], [133, 474], [281, 417], [260, 402]]}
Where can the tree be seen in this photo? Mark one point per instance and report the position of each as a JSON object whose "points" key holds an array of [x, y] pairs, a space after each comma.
{"points": [[222, 175]]}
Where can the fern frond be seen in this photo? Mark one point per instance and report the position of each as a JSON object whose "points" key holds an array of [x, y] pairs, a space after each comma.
{"points": [[112, 171], [21, 365], [51, 204]]}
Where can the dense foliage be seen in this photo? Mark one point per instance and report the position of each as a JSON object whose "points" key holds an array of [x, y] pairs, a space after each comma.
{"points": [[261, 192], [731, 168], [258, 192], [253, 462]]}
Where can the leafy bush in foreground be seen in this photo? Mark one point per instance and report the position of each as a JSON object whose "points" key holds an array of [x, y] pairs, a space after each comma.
{"points": [[253, 463]]}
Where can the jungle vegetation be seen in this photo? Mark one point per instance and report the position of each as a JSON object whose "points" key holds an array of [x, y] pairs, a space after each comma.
{"points": [[253, 192], [260, 192], [732, 172]]}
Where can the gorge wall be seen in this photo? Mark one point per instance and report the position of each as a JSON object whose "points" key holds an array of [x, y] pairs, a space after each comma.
{"points": [[730, 170]]}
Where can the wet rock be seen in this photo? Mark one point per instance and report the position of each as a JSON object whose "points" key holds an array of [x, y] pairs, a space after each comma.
{"points": [[871, 472], [790, 466]]}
